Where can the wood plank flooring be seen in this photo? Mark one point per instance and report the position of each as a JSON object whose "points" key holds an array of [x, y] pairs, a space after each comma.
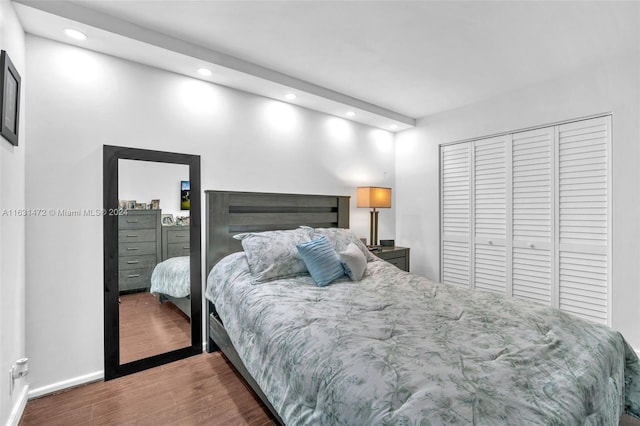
{"points": [[626, 420], [148, 327], [200, 390]]}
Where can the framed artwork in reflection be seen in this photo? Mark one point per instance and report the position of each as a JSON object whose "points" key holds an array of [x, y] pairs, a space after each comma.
{"points": [[185, 195]]}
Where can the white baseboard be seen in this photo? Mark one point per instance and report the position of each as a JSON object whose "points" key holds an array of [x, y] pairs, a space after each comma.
{"points": [[18, 409], [76, 381]]}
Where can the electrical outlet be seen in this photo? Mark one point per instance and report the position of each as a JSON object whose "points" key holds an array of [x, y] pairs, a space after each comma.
{"points": [[18, 370]]}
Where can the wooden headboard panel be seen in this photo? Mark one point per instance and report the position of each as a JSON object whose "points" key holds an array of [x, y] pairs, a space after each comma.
{"points": [[229, 213]]}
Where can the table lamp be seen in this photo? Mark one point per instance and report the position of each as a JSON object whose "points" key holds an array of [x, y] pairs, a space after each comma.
{"points": [[374, 197]]}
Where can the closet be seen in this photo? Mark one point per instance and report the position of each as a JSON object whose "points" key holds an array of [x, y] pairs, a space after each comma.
{"points": [[527, 214]]}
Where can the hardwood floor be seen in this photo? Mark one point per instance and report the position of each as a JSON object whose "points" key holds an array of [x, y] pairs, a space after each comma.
{"points": [[200, 390], [626, 420], [148, 327]]}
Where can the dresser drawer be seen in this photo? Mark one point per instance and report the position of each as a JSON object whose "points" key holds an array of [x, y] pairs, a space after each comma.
{"points": [[126, 263], [137, 221], [178, 249], [398, 256], [400, 262], [137, 249], [134, 279], [178, 236], [136, 235]]}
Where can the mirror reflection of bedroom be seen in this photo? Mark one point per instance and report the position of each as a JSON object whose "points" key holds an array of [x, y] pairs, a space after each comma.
{"points": [[153, 258]]}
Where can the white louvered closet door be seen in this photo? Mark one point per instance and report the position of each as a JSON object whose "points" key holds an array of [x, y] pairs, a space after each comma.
{"points": [[490, 200], [527, 214], [532, 215], [455, 169], [583, 208]]}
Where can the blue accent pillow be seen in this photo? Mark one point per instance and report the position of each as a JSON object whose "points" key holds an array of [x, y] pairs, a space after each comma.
{"points": [[321, 260]]}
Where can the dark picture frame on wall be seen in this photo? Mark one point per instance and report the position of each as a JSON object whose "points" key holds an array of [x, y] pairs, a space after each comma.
{"points": [[185, 195], [9, 99]]}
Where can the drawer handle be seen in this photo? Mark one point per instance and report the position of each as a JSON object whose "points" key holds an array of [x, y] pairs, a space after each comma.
{"points": [[186, 248], [134, 275], [133, 248], [180, 236], [132, 221], [132, 236], [132, 262]]}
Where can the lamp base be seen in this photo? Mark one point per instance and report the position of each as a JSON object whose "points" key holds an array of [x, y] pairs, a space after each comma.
{"points": [[373, 228]]}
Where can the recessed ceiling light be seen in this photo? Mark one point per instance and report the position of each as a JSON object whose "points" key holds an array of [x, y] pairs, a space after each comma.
{"points": [[393, 126], [290, 96], [206, 72], [350, 114], [75, 34]]}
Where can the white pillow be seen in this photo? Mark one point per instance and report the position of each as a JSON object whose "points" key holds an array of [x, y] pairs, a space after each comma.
{"points": [[353, 262]]}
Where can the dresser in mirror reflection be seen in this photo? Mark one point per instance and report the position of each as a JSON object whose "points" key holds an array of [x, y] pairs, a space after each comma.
{"points": [[139, 248]]}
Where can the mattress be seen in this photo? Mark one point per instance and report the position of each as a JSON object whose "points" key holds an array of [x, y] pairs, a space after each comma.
{"points": [[396, 348]]}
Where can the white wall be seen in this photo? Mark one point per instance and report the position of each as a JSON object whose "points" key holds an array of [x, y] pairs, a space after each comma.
{"points": [[612, 87], [80, 100], [144, 181], [12, 232]]}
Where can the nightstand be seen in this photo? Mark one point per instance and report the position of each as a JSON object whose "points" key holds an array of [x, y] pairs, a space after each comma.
{"points": [[175, 241], [398, 256]]}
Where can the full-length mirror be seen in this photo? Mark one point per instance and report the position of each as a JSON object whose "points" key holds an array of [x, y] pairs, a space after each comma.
{"points": [[152, 258]]}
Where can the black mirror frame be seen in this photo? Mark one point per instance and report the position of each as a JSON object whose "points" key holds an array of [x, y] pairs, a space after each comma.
{"points": [[111, 155]]}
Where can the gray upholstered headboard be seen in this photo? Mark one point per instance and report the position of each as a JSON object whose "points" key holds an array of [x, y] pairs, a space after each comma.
{"points": [[229, 213]]}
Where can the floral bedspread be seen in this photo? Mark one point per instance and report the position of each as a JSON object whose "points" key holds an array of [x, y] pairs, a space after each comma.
{"points": [[172, 277], [398, 349]]}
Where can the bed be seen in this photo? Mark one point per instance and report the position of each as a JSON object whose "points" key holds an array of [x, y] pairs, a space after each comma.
{"points": [[395, 348], [171, 281]]}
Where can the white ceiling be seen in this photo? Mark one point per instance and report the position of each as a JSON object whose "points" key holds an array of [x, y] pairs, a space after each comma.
{"points": [[393, 60]]}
